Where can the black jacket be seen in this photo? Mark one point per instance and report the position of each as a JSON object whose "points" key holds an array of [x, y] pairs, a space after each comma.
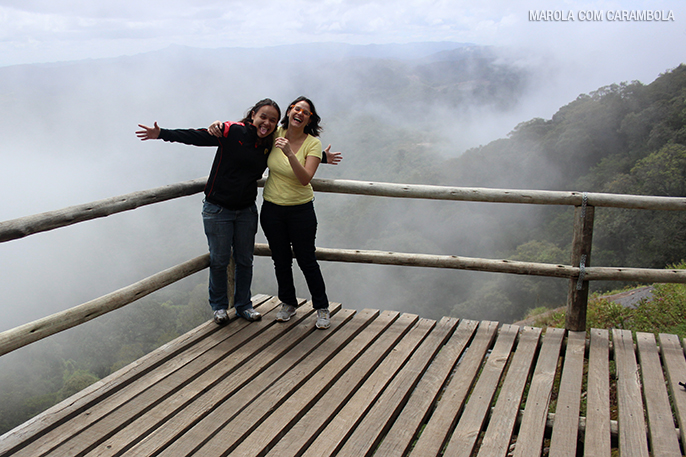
{"points": [[238, 163]]}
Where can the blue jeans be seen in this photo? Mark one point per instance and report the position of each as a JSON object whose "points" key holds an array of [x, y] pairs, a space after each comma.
{"points": [[230, 231], [296, 226]]}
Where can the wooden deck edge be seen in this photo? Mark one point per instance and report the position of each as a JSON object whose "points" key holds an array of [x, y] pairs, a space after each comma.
{"points": [[466, 435], [34, 428]]}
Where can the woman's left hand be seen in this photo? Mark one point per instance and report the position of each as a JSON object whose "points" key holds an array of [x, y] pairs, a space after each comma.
{"points": [[332, 158]]}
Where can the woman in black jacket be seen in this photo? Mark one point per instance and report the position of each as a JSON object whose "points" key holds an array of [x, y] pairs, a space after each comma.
{"points": [[229, 210]]}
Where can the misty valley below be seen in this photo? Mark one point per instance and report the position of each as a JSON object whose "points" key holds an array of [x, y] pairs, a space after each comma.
{"points": [[425, 119]]}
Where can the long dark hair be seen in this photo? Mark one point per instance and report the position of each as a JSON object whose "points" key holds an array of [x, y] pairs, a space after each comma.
{"points": [[313, 127], [252, 111]]}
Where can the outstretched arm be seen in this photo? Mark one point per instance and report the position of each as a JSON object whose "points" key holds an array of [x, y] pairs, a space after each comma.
{"points": [[148, 133], [195, 137]]}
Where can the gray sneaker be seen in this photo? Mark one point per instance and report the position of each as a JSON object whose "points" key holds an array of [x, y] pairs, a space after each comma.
{"points": [[249, 314], [221, 317], [323, 317], [285, 313]]}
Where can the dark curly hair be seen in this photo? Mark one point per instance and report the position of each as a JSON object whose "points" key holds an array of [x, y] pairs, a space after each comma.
{"points": [[252, 111], [313, 128]]}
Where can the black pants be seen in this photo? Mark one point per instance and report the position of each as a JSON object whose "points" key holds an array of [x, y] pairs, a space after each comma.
{"points": [[296, 226]]}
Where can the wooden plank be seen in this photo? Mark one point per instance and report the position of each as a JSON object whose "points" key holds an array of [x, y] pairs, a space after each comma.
{"points": [[368, 434], [290, 371], [348, 390], [661, 429], [407, 425], [531, 431], [597, 438], [22, 440], [328, 439], [77, 413], [177, 389], [367, 415], [496, 440], [46, 421], [633, 440], [449, 407], [675, 367], [294, 391], [263, 370], [197, 396], [565, 435], [471, 422]]}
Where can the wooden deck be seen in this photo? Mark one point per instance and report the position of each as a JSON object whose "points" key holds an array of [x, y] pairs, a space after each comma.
{"points": [[376, 383]]}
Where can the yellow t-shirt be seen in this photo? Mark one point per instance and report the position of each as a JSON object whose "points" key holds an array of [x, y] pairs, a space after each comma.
{"points": [[282, 186]]}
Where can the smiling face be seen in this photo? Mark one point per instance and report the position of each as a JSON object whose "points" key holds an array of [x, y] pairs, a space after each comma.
{"points": [[299, 114], [265, 120]]}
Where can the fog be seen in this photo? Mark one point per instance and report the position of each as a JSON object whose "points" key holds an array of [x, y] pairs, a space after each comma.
{"points": [[68, 138]]}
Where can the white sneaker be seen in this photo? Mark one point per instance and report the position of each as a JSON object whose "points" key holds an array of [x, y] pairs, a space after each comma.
{"points": [[285, 313], [323, 317]]}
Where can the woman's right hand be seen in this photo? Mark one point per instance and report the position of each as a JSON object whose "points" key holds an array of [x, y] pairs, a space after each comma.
{"points": [[283, 144], [148, 133], [216, 129]]}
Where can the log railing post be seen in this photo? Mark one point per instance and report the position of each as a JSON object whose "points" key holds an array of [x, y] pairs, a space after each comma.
{"points": [[577, 298], [231, 281]]}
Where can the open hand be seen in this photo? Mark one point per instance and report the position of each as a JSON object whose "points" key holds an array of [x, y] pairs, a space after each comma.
{"points": [[332, 158], [148, 133]]}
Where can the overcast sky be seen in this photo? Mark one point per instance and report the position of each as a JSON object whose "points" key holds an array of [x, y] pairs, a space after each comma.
{"points": [[54, 30], [586, 43]]}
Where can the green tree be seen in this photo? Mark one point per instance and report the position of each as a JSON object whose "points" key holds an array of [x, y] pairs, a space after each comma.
{"points": [[76, 382]]}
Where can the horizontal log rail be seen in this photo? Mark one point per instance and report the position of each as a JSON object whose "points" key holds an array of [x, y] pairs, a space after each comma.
{"points": [[28, 225], [479, 194], [43, 222], [23, 335], [21, 227], [493, 265]]}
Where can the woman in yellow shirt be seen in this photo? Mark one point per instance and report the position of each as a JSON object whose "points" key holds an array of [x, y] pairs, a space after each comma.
{"points": [[288, 217]]}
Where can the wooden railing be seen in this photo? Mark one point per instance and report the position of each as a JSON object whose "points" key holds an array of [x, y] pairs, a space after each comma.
{"points": [[579, 273]]}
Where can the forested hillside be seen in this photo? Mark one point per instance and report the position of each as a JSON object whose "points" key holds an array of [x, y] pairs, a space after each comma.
{"points": [[627, 138], [624, 138]]}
